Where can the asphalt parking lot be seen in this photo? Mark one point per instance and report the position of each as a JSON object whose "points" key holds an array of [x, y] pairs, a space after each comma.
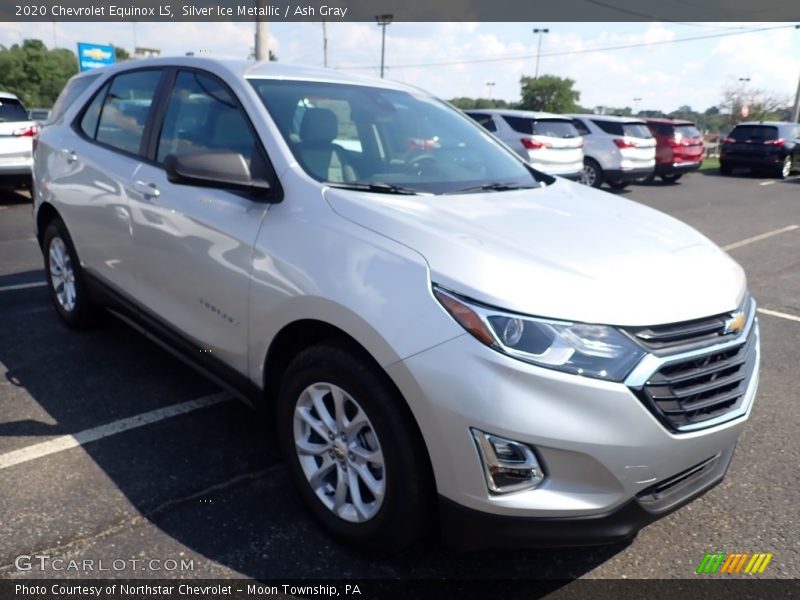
{"points": [[205, 487]]}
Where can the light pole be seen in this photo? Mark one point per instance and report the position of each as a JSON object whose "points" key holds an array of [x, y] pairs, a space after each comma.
{"points": [[489, 87], [636, 105], [744, 109], [539, 48], [383, 21]]}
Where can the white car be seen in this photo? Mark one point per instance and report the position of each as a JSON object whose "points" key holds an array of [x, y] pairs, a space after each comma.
{"points": [[441, 331], [617, 150], [16, 141], [549, 143]]}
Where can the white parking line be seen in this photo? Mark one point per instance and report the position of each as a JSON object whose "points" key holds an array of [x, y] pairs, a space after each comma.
{"points": [[767, 183], [22, 286], [65, 442], [775, 313], [758, 238]]}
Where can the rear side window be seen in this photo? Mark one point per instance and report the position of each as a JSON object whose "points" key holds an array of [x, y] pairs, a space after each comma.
{"points": [[485, 120], [12, 110], [125, 109], [581, 127], [203, 115], [661, 128], [755, 133], [73, 89]]}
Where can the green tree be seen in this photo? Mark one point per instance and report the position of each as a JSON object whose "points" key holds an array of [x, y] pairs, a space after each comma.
{"points": [[549, 93], [120, 54], [34, 73], [465, 103]]}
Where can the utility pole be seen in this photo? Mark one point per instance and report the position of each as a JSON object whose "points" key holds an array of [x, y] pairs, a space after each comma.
{"points": [[796, 110], [539, 48], [383, 21], [324, 45], [489, 88], [262, 33], [636, 106]]}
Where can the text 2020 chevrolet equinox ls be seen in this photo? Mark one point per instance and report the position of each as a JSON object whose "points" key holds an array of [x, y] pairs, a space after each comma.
{"points": [[446, 335]]}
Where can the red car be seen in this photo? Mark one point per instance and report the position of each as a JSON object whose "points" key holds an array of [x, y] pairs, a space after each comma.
{"points": [[679, 147]]}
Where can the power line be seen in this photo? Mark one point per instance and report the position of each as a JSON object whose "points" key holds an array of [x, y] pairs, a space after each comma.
{"points": [[464, 61]]}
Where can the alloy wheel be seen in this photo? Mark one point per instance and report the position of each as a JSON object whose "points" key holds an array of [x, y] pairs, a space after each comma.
{"points": [[339, 452], [62, 275], [786, 168]]}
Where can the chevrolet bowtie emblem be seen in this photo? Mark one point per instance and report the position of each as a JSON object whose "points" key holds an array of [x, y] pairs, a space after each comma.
{"points": [[735, 324]]}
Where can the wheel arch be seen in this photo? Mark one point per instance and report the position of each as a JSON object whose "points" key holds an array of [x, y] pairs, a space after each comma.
{"points": [[44, 216]]}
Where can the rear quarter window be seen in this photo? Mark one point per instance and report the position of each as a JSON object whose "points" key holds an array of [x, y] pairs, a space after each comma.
{"points": [[73, 89]]}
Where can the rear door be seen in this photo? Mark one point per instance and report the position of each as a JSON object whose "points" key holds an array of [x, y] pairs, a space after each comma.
{"points": [[92, 172]]}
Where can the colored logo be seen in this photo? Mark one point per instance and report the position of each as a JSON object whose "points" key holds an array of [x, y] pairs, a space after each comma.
{"points": [[735, 324], [94, 56], [97, 53], [735, 562]]}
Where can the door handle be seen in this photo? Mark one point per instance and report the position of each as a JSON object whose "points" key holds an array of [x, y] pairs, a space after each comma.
{"points": [[146, 189], [69, 155]]}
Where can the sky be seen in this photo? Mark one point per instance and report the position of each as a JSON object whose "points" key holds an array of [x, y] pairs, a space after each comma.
{"points": [[662, 71]]}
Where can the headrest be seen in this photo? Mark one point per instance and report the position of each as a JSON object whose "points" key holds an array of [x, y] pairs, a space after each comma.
{"points": [[318, 125]]}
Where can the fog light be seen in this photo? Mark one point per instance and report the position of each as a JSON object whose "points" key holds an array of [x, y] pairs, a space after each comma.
{"points": [[509, 466]]}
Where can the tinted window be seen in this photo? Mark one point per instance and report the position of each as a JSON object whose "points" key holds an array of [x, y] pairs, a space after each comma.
{"points": [[125, 110], [12, 110], [756, 133], [559, 128], [581, 127], [661, 129], [73, 89], [485, 120], [92, 113], [405, 139], [203, 115]]}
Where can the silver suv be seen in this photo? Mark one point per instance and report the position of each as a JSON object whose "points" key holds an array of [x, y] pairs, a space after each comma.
{"points": [[617, 150], [443, 334], [548, 142]]}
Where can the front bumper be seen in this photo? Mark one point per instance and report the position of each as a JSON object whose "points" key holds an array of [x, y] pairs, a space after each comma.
{"points": [[468, 529], [600, 447]]}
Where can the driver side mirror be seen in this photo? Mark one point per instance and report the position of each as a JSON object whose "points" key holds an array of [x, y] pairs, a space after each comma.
{"points": [[213, 168]]}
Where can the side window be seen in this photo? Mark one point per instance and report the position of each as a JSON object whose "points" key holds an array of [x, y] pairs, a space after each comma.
{"points": [[485, 120], [203, 115], [74, 88], [581, 127], [125, 108], [610, 127], [92, 114]]}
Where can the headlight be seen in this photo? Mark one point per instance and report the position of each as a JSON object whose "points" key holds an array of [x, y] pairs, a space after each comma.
{"points": [[597, 351]]}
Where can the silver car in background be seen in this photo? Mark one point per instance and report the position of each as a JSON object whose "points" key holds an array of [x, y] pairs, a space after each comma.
{"points": [[439, 331], [549, 143], [17, 131], [617, 150]]}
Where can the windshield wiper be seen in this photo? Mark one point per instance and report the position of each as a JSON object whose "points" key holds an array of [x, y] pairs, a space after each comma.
{"points": [[496, 186], [383, 188]]}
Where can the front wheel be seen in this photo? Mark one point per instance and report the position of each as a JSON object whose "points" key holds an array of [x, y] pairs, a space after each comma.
{"points": [[618, 185], [353, 449], [786, 168], [671, 177]]}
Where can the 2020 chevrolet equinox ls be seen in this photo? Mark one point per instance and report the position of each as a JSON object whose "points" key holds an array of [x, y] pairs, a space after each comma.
{"points": [[447, 336]]}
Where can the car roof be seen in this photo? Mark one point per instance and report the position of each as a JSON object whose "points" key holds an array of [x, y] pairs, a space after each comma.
{"points": [[769, 123], [248, 69], [611, 118], [667, 121], [511, 112], [8, 96]]}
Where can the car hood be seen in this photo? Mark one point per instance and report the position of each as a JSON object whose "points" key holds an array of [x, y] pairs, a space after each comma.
{"points": [[565, 251]]}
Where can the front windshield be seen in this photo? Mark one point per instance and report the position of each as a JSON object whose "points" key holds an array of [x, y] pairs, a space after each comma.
{"points": [[354, 135]]}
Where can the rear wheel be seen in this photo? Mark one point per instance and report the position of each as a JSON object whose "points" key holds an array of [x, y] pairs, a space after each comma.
{"points": [[786, 168], [65, 280], [618, 185], [724, 168], [592, 173], [353, 449], [671, 177]]}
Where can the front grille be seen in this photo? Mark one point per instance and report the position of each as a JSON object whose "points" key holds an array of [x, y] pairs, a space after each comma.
{"points": [[688, 335], [688, 392]]}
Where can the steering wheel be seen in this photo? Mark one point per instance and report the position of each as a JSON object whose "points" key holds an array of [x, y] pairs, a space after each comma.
{"points": [[419, 163]]}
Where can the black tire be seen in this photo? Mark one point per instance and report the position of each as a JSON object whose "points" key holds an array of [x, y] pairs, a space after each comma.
{"points": [[724, 168], [671, 177], [618, 185], [404, 513], [81, 313], [592, 173], [785, 169]]}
